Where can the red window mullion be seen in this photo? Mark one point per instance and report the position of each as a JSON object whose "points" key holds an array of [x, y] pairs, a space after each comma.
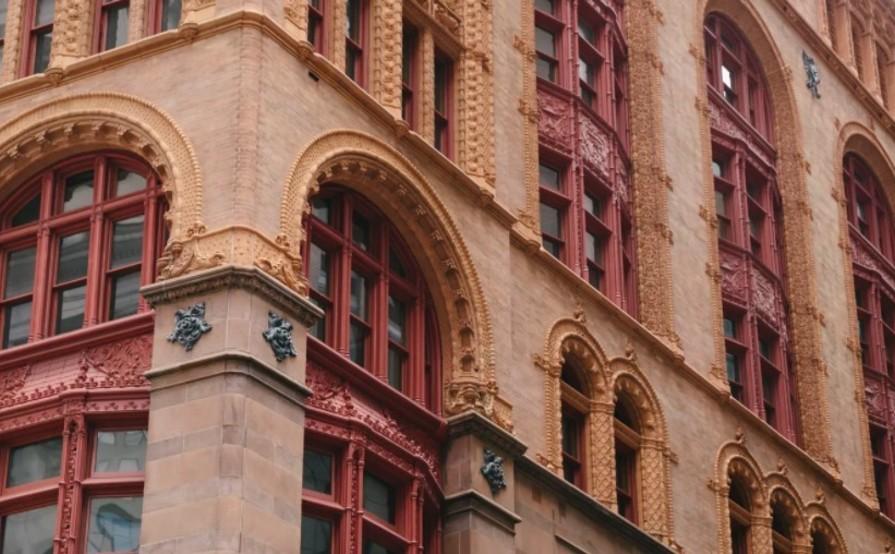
{"points": [[97, 260], [42, 263]]}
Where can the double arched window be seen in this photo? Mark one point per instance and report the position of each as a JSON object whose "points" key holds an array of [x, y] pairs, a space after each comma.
{"points": [[78, 240], [377, 308], [872, 238], [749, 225]]}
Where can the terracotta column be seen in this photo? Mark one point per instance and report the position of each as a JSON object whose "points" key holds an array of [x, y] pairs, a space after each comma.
{"points": [[226, 420]]}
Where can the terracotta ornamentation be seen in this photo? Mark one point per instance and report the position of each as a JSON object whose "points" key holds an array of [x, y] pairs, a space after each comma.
{"points": [[189, 326], [279, 336], [812, 74]]}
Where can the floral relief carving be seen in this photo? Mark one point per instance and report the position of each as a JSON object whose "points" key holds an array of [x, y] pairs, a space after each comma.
{"points": [[594, 145], [875, 400], [766, 295], [555, 122], [734, 276]]}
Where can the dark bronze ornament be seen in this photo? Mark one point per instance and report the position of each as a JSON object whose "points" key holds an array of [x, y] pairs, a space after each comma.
{"points": [[279, 336], [811, 71], [189, 326], [492, 469]]}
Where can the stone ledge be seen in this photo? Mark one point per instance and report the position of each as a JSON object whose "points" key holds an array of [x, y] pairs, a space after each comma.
{"points": [[246, 366], [474, 501], [230, 276], [474, 423]]}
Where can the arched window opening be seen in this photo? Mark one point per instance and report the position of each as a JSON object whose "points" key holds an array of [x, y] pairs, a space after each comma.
{"points": [[78, 241], [782, 525], [821, 539], [627, 448], [739, 506], [574, 420], [378, 311], [872, 238], [748, 209]]}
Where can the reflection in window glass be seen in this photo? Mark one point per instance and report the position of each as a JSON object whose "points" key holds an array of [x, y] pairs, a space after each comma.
{"points": [[19, 272], [116, 26], [358, 295], [316, 535], [170, 14], [317, 472], [78, 191], [114, 524], [30, 532], [17, 324], [125, 295], [319, 270], [30, 212], [127, 242], [72, 257], [34, 462], [120, 451], [71, 309], [127, 182], [379, 498]]}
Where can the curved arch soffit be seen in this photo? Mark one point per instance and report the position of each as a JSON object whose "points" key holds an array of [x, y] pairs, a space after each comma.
{"points": [[570, 338], [627, 378], [734, 458], [79, 123], [376, 170], [858, 139]]}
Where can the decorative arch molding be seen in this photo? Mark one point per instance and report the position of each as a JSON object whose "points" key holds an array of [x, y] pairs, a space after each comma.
{"points": [[819, 521], [857, 138], [804, 313], [396, 186], [782, 493], [606, 380]]}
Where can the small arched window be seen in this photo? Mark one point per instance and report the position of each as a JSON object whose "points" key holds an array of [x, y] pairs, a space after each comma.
{"points": [[378, 311], [740, 508], [782, 525], [821, 539], [575, 407], [78, 241], [627, 449]]}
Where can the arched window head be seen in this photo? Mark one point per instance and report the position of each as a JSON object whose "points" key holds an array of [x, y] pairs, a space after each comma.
{"points": [[734, 74], [377, 307], [574, 420], [78, 241], [627, 459], [740, 507], [869, 211]]}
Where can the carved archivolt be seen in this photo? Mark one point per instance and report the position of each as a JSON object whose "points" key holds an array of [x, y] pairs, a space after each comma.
{"points": [[606, 381], [85, 122], [804, 313], [767, 492], [383, 175], [855, 137]]}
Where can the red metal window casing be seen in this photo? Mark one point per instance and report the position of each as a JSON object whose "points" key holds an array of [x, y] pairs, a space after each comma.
{"points": [[162, 15], [317, 10], [36, 30], [356, 40], [872, 238], [444, 103], [409, 73], [583, 131], [104, 32], [750, 233]]}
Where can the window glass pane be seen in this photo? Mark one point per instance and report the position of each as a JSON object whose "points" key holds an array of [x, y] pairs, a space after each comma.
{"points": [[360, 231], [322, 209], [730, 329], [593, 205], [319, 269], [544, 5], [550, 221], [717, 168], [30, 532], [548, 177], [587, 31], [127, 242], [359, 295], [3, 4], [397, 319], [316, 536], [19, 272], [30, 212], [395, 265], [396, 368], [78, 191], [116, 26], [442, 81], [114, 524], [125, 295], [379, 498], [371, 547], [586, 73], [546, 70], [71, 309], [357, 343], [733, 368], [170, 14], [72, 257], [42, 43], [17, 324], [34, 462], [544, 42], [593, 248], [43, 12], [317, 472], [127, 182], [120, 451], [353, 20]]}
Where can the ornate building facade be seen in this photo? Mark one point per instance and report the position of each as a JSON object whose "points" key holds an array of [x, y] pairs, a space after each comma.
{"points": [[447, 276]]}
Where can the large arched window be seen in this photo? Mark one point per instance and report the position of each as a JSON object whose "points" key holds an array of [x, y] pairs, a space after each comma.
{"points": [[872, 239], [78, 241], [585, 210], [749, 223], [377, 308]]}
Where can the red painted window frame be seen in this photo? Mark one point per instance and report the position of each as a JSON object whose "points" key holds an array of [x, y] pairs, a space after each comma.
{"points": [[357, 45], [574, 423], [97, 218], [29, 42], [317, 24], [155, 17], [101, 23], [740, 519], [410, 40], [874, 235], [610, 266], [3, 22], [421, 376], [444, 86]]}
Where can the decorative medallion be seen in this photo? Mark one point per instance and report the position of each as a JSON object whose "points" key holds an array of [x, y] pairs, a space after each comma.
{"points": [[189, 326], [279, 336], [492, 469], [812, 74]]}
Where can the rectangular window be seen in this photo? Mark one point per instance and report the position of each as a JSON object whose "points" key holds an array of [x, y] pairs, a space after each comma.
{"points": [[317, 472], [625, 470], [316, 535], [113, 28], [17, 296], [30, 531], [354, 40], [379, 498], [34, 462], [572, 424], [315, 24], [554, 203], [551, 229], [125, 261], [397, 342], [409, 42], [71, 281], [40, 35], [735, 355], [444, 76], [114, 524], [359, 327], [319, 277], [547, 62], [120, 451]]}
